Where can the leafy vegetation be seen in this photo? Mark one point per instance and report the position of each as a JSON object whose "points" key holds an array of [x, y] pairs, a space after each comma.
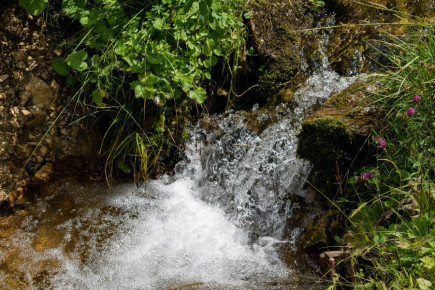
{"points": [[144, 64], [390, 230], [34, 7]]}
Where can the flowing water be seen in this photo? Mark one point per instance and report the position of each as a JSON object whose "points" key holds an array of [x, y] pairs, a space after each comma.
{"points": [[229, 218]]}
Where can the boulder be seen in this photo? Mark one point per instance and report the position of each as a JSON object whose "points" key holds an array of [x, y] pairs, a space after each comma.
{"points": [[335, 136]]}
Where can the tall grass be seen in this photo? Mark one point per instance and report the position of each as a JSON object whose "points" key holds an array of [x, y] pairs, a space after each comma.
{"points": [[391, 233]]}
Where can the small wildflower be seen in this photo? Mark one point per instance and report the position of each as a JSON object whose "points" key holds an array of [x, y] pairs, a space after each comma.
{"points": [[416, 99], [368, 175], [411, 111], [364, 177], [381, 142]]}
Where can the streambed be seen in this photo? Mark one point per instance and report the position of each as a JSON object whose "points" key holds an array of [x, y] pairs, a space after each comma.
{"points": [[229, 218]]}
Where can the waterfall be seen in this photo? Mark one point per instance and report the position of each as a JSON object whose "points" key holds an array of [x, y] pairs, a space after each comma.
{"points": [[221, 220]]}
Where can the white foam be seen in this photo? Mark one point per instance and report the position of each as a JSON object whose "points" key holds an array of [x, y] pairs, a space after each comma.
{"points": [[180, 239]]}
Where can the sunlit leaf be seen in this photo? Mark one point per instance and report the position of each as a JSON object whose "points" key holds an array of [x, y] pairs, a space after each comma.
{"points": [[76, 60], [34, 7]]}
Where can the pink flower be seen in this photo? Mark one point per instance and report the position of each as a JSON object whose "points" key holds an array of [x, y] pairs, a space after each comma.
{"points": [[411, 111], [364, 177], [368, 175], [416, 99], [381, 142]]}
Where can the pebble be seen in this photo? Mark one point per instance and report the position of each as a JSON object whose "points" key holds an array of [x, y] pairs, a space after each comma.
{"points": [[43, 150], [3, 78], [19, 56], [14, 123], [17, 75], [2, 96], [22, 150], [21, 65], [24, 96], [49, 141], [26, 112], [39, 159]]}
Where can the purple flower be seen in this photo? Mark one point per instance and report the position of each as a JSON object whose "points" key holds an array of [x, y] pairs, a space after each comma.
{"points": [[411, 111], [364, 177], [416, 99], [368, 175], [381, 142]]}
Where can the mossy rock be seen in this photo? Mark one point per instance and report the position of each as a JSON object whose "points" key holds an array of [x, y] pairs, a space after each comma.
{"points": [[327, 142], [275, 34]]}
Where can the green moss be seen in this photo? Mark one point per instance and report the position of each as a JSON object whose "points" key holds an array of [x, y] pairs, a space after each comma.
{"points": [[328, 143], [344, 98]]}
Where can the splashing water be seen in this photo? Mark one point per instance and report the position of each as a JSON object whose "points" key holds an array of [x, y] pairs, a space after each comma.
{"points": [[220, 220]]}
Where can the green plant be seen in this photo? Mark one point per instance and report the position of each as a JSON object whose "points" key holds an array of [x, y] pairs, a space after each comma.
{"points": [[317, 4], [391, 227], [34, 7], [146, 64]]}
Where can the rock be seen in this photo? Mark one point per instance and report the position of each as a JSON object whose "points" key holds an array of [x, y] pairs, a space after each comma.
{"points": [[276, 38], [46, 238], [315, 235], [334, 136], [22, 151], [26, 112], [42, 150], [3, 78], [18, 75], [39, 159], [24, 96], [19, 56], [2, 96], [39, 117], [55, 87], [328, 260], [49, 142], [14, 123], [21, 65], [42, 94], [43, 174]]}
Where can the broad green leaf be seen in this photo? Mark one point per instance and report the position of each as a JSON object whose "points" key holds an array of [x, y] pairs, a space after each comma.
{"points": [[34, 7], [159, 23], [424, 284], [72, 8], [156, 59], [203, 12], [137, 88], [428, 262], [198, 95], [98, 96], [76, 60], [188, 5], [60, 66], [151, 79]]}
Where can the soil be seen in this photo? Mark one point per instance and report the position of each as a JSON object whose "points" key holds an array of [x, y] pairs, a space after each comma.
{"points": [[36, 139]]}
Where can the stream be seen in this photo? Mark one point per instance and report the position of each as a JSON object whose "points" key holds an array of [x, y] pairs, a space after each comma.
{"points": [[228, 218]]}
